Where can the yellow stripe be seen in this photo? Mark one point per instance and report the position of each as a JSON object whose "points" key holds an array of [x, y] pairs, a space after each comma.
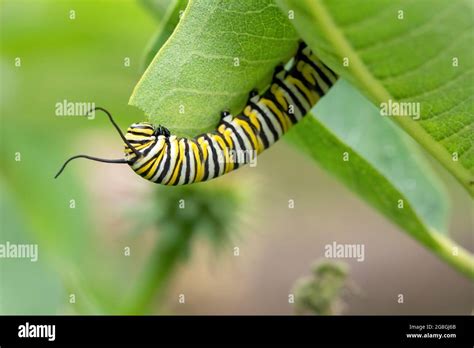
{"points": [[203, 144], [249, 130], [174, 177], [250, 113], [143, 146], [224, 148], [146, 166], [200, 165], [274, 109], [156, 164], [144, 131], [278, 93], [227, 132], [311, 95], [205, 151], [307, 71]]}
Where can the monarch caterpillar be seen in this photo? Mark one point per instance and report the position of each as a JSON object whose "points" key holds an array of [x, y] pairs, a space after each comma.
{"points": [[156, 155]]}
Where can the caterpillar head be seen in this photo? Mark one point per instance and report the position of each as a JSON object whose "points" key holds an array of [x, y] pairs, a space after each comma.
{"points": [[142, 137], [141, 140]]}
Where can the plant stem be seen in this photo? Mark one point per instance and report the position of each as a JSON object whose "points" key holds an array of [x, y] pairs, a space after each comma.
{"points": [[452, 253], [161, 264]]}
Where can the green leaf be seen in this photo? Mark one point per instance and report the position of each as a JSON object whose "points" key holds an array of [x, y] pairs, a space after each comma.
{"points": [[404, 60], [388, 149], [376, 188], [166, 28], [218, 53]]}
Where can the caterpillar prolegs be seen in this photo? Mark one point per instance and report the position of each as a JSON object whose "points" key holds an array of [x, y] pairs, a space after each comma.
{"points": [[156, 155]]}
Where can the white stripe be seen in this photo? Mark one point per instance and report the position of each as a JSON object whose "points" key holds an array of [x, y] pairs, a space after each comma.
{"points": [[297, 94], [192, 165], [220, 157], [296, 110], [247, 142], [210, 161], [153, 151], [265, 129], [161, 165], [273, 118]]}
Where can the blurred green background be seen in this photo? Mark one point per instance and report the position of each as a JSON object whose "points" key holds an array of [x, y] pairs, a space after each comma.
{"points": [[83, 251]]}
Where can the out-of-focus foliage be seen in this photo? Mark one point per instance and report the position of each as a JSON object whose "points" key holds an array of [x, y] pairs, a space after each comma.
{"points": [[181, 214], [165, 29], [156, 8], [62, 58], [320, 293]]}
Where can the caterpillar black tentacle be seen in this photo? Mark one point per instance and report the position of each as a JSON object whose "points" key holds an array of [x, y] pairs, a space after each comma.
{"points": [[156, 155]]}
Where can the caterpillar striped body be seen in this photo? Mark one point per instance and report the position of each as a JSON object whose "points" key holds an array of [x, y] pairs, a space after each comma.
{"points": [[156, 155]]}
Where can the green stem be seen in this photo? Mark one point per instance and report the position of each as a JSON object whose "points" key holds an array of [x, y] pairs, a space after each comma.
{"points": [[452, 253], [162, 263]]}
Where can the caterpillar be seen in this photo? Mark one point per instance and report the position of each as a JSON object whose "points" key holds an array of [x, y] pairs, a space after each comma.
{"points": [[156, 155]]}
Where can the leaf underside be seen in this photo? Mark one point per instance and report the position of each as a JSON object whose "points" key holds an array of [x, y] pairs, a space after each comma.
{"points": [[218, 53]]}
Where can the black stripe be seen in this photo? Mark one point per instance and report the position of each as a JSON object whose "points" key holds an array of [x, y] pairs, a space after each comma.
{"points": [[178, 166], [321, 74], [223, 149], [324, 76], [138, 133], [214, 155], [229, 146], [166, 165], [139, 142], [267, 120], [307, 60], [220, 135], [245, 118], [299, 76], [302, 109], [300, 92], [143, 165], [331, 72], [273, 114], [147, 149], [271, 96], [145, 153], [237, 135], [151, 167], [259, 134], [188, 165]]}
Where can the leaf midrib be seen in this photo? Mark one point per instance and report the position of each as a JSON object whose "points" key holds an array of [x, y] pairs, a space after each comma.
{"points": [[380, 94]]}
